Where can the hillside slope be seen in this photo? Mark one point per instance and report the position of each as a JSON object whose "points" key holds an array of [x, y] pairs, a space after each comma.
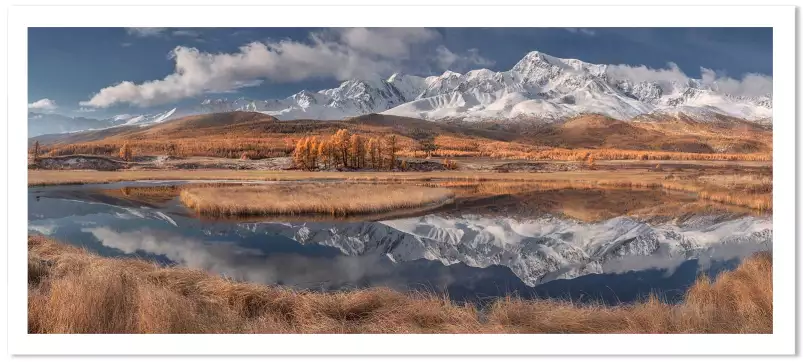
{"points": [[233, 133]]}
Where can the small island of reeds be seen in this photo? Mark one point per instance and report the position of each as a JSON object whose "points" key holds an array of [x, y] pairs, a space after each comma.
{"points": [[312, 198]]}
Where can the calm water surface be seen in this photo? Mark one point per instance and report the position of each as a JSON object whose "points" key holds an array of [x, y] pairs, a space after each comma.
{"points": [[577, 245]]}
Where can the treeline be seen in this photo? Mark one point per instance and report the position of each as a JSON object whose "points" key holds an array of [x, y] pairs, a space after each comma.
{"points": [[347, 150], [244, 148]]}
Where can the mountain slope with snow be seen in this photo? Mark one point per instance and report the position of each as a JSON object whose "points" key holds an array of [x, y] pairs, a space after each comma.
{"points": [[539, 86], [51, 123]]}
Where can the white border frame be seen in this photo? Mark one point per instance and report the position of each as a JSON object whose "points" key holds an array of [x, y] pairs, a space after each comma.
{"points": [[781, 18]]}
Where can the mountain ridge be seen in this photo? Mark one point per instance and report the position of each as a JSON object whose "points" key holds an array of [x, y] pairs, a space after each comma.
{"points": [[540, 88]]}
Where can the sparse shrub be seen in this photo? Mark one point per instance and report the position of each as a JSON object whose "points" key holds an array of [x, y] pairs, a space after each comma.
{"points": [[449, 164]]}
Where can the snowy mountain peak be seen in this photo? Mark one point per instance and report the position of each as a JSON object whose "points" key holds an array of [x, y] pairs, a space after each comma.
{"points": [[450, 74], [539, 87]]}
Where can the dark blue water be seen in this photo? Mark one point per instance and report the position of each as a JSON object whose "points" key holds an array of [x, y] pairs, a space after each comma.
{"points": [[167, 233]]}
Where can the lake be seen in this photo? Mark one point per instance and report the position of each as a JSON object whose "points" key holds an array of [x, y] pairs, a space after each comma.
{"points": [[614, 246]]}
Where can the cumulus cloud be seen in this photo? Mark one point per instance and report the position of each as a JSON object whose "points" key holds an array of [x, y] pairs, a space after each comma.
{"points": [[749, 85], [642, 73], [44, 104], [145, 32], [391, 42], [338, 54], [86, 110], [198, 72]]}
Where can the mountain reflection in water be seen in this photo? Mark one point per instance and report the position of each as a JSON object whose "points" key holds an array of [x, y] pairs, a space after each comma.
{"points": [[537, 244]]}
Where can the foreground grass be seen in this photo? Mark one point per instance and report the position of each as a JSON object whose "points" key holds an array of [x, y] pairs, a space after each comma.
{"points": [[73, 291], [312, 198]]}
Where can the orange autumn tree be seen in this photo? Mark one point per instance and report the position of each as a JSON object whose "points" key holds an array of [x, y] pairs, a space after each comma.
{"points": [[346, 150], [323, 153], [357, 151], [36, 151], [342, 144], [373, 153], [305, 154], [125, 152], [392, 148]]}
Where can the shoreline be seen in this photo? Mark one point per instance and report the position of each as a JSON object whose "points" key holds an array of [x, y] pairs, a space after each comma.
{"points": [[681, 181]]}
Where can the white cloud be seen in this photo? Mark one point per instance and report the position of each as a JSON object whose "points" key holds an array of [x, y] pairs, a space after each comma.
{"points": [[392, 42], [187, 33], [339, 54], [44, 104], [145, 32], [583, 31], [447, 59], [749, 85], [86, 110], [162, 32], [642, 73]]}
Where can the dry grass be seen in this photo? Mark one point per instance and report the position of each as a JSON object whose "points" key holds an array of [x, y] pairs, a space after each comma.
{"points": [[621, 154], [758, 201], [73, 291], [312, 198], [64, 177], [748, 190]]}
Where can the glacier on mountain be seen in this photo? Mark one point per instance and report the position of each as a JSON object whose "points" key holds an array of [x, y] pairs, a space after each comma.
{"points": [[539, 86]]}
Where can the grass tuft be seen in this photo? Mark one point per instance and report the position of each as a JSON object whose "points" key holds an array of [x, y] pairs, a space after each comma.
{"points": [[73, 291]]}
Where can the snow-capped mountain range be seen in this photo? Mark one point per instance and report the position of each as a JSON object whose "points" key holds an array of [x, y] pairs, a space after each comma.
{"points": [[48, 123], [539, 86]]}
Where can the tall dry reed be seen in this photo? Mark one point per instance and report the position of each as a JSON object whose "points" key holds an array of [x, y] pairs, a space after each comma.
{"points": [[73, 291]]}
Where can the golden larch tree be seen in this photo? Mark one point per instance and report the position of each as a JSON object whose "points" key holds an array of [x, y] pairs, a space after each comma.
{"points": [[125, 152], [341, 141], [357, 151], [392, 148], [372, 152], [36, 151]]}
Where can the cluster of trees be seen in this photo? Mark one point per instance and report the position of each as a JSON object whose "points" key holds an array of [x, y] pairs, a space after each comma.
{"points": [[346, 150]]}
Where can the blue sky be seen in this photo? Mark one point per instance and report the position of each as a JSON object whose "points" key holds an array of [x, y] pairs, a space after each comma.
{"points": [[78, 71]]}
